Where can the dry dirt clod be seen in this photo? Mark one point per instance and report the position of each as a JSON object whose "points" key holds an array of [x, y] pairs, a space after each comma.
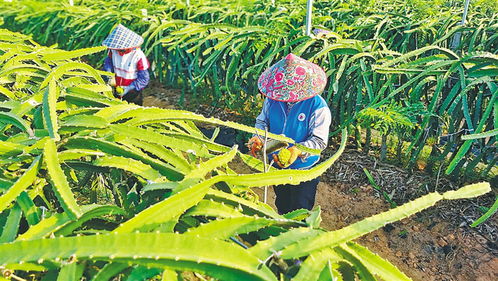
{"points": [[441, 242], [411, 255]]}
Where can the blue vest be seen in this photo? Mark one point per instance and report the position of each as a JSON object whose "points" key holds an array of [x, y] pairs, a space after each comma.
{"points": [[295, 125]]}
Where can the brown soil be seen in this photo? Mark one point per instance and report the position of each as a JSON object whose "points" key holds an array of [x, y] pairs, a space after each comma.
{"points": [[436, 244], [158, 96], [426, 246]]}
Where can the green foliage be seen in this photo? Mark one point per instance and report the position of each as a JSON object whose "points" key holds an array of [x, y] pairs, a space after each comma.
{"points": [[490, 212], [379, 52], [388, 118], [66, 138]]}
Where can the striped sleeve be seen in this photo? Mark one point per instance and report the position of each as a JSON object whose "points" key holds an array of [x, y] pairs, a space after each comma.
{"points": [[319, 129], [143, 76], [142, 80]]}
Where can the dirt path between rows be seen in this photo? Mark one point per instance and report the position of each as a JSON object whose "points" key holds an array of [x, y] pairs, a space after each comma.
{"points": [[436, 244], [424, 246]]}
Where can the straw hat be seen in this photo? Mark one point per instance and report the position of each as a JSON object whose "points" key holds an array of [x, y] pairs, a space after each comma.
{"points": [[292, 79], [122, 38]]}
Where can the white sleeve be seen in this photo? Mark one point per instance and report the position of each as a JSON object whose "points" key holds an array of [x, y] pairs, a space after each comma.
{"points": [[319, 129]]}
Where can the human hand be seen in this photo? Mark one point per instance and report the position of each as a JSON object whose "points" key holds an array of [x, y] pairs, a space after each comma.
{"points": [[112, 81], [286, 156], [255, 144]]}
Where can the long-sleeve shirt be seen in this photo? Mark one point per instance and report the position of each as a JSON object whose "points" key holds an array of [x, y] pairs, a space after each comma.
{"points": [[131, 69], [318, 126]]}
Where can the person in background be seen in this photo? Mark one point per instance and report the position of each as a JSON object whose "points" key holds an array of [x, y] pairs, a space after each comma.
{"points": [[322, 33], [293, 107], [129, 64]]}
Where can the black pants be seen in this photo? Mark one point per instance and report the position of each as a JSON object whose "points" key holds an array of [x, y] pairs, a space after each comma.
{"points": [[132, 96], [293, 197]]}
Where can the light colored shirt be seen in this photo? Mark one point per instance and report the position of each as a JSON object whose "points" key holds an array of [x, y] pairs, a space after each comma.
{"points": [[131, 69], [318, 125]]}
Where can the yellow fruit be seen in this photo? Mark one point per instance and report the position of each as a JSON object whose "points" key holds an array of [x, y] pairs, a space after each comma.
{"points": [[120, 90], [284, 156]]}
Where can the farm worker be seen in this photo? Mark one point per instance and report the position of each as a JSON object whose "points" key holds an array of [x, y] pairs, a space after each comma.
{"points": [[293, 107], [129, 64]]}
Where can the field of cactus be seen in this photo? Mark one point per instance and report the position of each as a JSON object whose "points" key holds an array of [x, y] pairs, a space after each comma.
{"points": [[381, 56], [173, 202], [95, 188]]}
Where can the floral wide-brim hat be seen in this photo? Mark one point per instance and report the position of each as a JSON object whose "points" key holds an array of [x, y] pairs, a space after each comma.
{"points": [[292, 79], [122, 38]]}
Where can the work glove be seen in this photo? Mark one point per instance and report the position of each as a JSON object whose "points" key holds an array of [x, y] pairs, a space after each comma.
{"points": [[128, 89], [254, 144], [286, 156], [123, 90]]}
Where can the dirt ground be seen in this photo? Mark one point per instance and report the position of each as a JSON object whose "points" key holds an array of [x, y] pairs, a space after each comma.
{"points": [[425, 246], [436, 244]]}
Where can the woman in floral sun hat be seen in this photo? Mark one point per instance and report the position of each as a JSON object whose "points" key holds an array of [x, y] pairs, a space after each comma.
{"points": [[129, 64], [293, 107]]}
